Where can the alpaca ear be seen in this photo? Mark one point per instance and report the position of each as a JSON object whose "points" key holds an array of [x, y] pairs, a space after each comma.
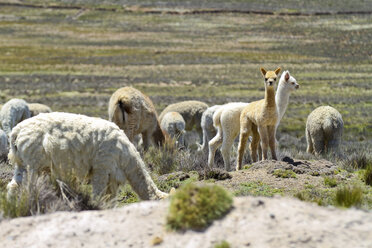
{"points": [[277, 71], [286, 77], [263, 71]]}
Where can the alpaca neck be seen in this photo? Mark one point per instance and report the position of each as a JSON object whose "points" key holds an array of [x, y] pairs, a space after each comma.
{"points": [[282, 99], [270, 97]]}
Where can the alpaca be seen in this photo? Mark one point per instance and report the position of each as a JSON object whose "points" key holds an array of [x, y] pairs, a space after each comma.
{"points": [[227, 118], [209, 131], [191, 112], [135, 113], [3, 145], [324, 127], [12, 113], [226, 121], [88, 148], [37, 108], [260, 119], [174, 124]]}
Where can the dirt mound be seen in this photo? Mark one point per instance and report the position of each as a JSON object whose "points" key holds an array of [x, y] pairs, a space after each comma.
{"points": [[313, 168], [254, 222]]}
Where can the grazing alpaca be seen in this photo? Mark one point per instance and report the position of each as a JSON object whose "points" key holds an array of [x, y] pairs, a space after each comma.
{"points": [[227, 118], [174, 124], [191, 112], [65, 144], [324, 127], [13, 112], [38, 108], [260, 119], [135, 113]]}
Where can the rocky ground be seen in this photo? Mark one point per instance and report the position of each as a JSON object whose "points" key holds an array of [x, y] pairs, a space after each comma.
{"points": [[253, 222]]}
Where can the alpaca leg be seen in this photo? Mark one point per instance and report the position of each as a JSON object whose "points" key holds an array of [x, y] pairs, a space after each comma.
{"points": [[243, 137], [228, 141], [259, 150], [255, 144], [146, 137], [310, 146], [264, 140], [272, 141], [100, 179], [213, 146], [318, 142]]}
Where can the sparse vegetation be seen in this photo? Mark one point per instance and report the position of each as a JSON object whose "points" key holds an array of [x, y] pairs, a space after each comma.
{"points": [[196, 206], [330, 182], [257, 189]]}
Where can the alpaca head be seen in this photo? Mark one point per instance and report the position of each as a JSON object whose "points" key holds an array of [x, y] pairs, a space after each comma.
{"points": [[270, 77], [289, 82]]}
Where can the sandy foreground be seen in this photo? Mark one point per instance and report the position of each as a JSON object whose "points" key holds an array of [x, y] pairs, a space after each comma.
{"points": [[253, 222]]}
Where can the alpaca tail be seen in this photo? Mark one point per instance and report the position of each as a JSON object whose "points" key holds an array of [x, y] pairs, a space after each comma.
{"points": [[119, 113]]}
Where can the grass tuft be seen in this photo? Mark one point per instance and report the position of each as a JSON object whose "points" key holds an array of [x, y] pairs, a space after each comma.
{"points": [[348, 196], [368, 175], [195, 206]]}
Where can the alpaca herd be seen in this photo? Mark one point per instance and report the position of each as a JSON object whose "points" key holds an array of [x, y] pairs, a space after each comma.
{"points": [[102, 152]]}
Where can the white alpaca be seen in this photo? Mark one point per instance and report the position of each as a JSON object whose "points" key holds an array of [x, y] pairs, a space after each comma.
{"points": [[324, 127], [82, 146], [227, 119], [38, 108], [12, 113], [174, 124], [209, 131], [191, 112], [3, 145]]}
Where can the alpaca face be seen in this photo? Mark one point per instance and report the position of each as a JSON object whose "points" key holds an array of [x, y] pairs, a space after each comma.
{"points": [[290, 82], [270, 76]]}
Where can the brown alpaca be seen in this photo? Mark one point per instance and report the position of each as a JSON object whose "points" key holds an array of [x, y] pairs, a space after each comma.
{"points": [[259, 120], [135, 113]]}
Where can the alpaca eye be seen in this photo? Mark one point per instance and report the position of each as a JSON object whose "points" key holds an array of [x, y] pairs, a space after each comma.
{"points": [[293, 83], [266, 79], [274, 79]]}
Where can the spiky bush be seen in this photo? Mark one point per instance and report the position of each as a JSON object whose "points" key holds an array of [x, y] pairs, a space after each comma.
{"points": [[47, 196], [330, 182], [222, 244], [195, 206], [348, 196]]}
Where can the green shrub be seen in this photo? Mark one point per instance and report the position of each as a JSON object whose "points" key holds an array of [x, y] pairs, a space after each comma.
{"points": [[330, 182], [284, 173], [222, 244], [161, 160], [348, 196], [195, 206]]}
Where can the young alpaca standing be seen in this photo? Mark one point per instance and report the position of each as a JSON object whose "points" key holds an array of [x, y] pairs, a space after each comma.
{"points": [[67, 144], [260, 118], [324, 128], [135, 113], [227, 118]]}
